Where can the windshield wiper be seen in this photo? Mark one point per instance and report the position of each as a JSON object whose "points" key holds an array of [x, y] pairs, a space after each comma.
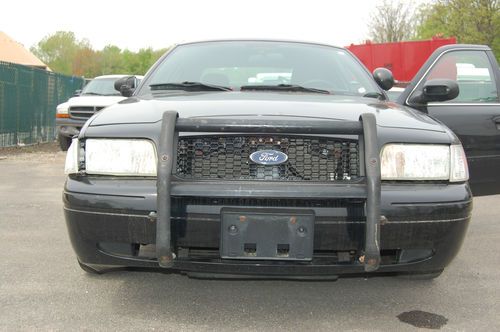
{"points": [[188, 86], [283, 87], [92, 94]]}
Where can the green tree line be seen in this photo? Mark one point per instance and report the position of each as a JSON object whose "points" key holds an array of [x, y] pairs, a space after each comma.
{"points": [[66, 54], [470, 21]]}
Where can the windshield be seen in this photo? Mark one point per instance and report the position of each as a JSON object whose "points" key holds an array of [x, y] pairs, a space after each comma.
{"points": [[101, 87], [237, 64]]}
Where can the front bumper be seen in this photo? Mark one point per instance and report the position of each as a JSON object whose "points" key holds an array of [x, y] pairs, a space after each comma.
{"points": [[68, 127], [110, 221]]}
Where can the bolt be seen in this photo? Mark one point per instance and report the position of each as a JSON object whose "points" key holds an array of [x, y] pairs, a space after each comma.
{"points": [[361, 259], [152, 216], [165, 259], [383, 220], [233, 229], [164, 157], [301, 229]]}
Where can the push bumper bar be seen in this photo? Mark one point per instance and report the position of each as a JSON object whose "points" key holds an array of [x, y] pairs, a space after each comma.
{"points": [[366, 128]]}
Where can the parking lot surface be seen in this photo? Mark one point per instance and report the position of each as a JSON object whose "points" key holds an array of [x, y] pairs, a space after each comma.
{"points": [[43, 288]]}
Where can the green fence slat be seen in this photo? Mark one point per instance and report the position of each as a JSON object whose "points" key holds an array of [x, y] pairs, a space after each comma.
{"points": [[28, 100]]}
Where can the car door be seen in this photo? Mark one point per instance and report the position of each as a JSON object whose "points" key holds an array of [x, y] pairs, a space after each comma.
{"points": [[474, 116]]}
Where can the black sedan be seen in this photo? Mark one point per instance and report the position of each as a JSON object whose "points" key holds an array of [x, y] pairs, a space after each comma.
{"points": [[267, 159]]}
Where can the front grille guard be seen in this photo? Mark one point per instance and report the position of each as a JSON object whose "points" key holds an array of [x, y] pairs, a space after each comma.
{"points": [[366, 128]]}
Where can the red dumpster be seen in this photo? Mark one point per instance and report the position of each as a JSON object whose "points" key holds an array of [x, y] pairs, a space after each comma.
{"points": [[404, 59]]}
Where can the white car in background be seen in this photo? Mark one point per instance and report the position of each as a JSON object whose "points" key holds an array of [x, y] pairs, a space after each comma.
{"points": [[96, 95]]}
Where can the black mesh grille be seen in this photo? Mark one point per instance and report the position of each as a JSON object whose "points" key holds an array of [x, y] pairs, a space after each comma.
{"points": [[227, 158]]}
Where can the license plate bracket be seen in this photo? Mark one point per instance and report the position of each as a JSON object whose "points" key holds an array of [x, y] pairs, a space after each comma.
{"points": [[261, 234]]}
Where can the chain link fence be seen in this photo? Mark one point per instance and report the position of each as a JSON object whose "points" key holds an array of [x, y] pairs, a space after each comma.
{"points": [[28, 100]]}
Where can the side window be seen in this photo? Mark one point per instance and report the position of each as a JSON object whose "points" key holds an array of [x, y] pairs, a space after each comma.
{"points": [[472, 71]]}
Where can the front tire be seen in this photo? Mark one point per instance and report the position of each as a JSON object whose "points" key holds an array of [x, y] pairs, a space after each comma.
{"points": [[64, 142]]}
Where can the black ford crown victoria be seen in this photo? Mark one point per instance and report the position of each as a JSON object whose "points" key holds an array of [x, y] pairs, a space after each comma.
{"points": [[270, 159]]}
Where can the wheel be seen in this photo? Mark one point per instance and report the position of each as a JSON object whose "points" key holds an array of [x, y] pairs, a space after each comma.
{"points": [[89, 269], [421, 276], [64, 142]]}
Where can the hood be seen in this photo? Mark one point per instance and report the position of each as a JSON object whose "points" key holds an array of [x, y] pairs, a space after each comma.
{"points": [[101, 101], [265, 104]]}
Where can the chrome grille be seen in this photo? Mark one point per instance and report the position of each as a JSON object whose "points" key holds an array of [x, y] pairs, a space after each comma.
{"points": [[83, 112]]}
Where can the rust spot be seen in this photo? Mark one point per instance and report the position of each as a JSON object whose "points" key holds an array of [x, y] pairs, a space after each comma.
{"points": [[243, 218], [372, 261], [293, 220], [361, 259]]}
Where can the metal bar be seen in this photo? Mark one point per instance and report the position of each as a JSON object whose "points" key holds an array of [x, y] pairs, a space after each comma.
{"points": [[371, 257], [270, 126], [165, 163], [269, 189]]}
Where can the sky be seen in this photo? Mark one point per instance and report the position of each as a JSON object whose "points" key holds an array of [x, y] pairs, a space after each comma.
{"points": [[159, 24]]}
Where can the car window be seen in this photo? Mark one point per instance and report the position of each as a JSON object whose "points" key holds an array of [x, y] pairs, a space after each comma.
{"points": [[236, 76], [473, 73], [101, 87], [394, 93], [242, 63]]}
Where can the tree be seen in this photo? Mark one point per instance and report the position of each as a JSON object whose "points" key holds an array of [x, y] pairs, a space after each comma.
{"points": [[140, 62], [86, 62], [58, 51], [64, 53], [392, 22], [470, 21], [112, 60]]}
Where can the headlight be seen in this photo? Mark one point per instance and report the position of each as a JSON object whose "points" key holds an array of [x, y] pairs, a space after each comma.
{"points": [[120, 157], [135, 157], [62, 111], [423, 162]]}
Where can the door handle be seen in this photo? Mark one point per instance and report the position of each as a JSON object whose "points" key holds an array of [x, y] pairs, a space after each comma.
{"points": [[497, 122]]}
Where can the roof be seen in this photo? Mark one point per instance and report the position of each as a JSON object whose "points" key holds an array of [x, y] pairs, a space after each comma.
{"points": [[14, 52], [115, 76], [258, 40]]}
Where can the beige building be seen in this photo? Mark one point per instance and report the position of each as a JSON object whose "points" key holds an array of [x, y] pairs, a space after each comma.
{"points": [[14, 52]]}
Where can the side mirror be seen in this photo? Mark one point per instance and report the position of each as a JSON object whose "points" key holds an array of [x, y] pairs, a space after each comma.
{"points": [[77, 93], [440, 90], [436, 90], [384, 78], [126, 85]]}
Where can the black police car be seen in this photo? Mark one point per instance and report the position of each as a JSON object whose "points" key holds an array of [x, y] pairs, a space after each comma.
{"points": [[278, 159]]}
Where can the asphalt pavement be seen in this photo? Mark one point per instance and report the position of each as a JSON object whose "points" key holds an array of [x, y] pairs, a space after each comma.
{"points": [[43, 288]]}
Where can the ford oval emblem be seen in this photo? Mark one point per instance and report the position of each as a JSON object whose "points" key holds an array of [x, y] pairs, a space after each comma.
{"points": [[268, 157]]}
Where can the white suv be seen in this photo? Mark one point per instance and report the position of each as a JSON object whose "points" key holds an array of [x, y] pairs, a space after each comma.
{"points": [[96, 95]]}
